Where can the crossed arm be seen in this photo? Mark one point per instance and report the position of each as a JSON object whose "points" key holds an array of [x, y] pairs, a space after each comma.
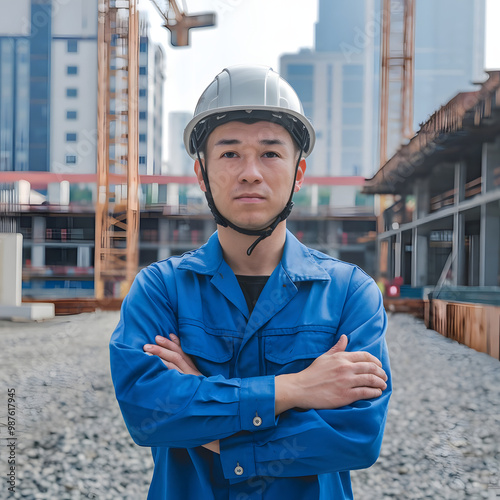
{"points": [[335, 379]]}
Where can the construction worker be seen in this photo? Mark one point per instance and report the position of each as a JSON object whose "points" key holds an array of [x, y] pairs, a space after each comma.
{"points": [[267, 375]]}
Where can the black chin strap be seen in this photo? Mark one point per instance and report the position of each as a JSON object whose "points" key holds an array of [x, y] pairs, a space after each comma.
{"points": [[222, 221]]}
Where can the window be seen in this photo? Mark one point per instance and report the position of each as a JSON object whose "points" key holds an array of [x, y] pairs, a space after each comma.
{"points": [[352, 138], [304, 88], [71, 92], [142, 160], [142, 92], [142, 137], [143, 115], [71, 137], [353, 91], [72, 46], [353, 71], [300, 69], [71, 115], [352, 115], [143, 70], [143, 47], [70, 159], [71, 70]]}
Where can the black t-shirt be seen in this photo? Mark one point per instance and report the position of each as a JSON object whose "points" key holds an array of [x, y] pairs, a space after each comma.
{"points": [[251, 287]]}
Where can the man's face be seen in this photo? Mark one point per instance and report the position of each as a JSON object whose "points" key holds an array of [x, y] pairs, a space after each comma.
{"points": [[250, 169]]}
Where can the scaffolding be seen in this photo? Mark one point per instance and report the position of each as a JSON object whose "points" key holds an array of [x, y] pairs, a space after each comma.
{"points": [[117, 207], [396, 92]]}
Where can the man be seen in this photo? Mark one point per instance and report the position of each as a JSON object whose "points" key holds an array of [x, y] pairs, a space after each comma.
{"points": [[267, 375]]}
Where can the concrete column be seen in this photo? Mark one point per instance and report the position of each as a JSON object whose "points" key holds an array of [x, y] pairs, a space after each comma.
{"points": [[38, 251], [458, 259], [11, 259], [460, 176], [38, 256], [419, 258], [397, 255], [473, 278], [163, 225], [422, 198], [83, 256], [38, 229], [314, 198], [489, 243], [490, 159]]}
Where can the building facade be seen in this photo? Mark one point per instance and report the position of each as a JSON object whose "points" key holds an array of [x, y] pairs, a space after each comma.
{"points": [[444, 227], [339, 80], [48, 95]]}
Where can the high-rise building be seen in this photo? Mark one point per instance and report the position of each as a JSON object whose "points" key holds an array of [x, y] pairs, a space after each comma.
{"points": [[339, 81], [48, 91], [449, 56], [151, 82]]}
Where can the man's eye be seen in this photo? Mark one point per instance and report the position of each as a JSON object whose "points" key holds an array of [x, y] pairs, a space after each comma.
{"points": [[229, 154], [271, 154]]}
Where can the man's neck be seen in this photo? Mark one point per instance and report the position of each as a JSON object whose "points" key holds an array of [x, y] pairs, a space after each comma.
{"points": [[265, 256]]}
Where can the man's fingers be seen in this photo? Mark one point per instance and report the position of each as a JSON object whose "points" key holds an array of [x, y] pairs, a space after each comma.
{"points": [[168, 343], [175, 339], [370, 368], [340, 346], [369, 380], [362, 357], [169, 350]]}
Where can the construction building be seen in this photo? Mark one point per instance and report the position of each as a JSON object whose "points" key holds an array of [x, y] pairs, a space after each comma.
{"points": [[441, 238]]}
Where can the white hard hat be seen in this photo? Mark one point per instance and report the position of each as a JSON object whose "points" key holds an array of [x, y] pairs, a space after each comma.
{"points": [[248, 92]]}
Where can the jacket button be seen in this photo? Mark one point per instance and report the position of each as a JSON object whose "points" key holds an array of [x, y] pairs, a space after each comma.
{"points": [[257, 421], [238, 470]]}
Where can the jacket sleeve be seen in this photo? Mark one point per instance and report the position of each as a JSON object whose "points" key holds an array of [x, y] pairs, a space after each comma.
{"points": [[162, 407], [321, 441]]}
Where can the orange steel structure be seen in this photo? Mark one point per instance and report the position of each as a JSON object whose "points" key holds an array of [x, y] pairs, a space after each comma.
{"points": [[117, 207], [396, 88]]}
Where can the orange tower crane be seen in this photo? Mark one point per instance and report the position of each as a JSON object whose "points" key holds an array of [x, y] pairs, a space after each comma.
{"points": [[396, 86], [117, 207], [396, 92]]}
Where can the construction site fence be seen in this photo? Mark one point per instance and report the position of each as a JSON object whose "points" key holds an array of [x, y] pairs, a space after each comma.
{"points": [[474, 325]]}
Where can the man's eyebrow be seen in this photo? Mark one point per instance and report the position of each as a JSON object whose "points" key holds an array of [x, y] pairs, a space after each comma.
{"points": [[265, 142], [227, 142], [272, 142]]}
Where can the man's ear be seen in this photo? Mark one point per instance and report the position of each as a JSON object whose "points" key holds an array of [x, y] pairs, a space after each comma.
{"points": [[300, 175], [199, 175]]}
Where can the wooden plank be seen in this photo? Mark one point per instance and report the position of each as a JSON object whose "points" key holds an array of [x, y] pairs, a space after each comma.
{"points": [[475, 325], [492, 315]]}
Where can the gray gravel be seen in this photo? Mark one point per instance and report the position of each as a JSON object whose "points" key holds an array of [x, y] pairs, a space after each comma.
{"points": [[442, 439]]}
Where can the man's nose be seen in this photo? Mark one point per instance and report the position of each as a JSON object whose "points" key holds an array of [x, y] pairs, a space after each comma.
{"points": [[250, 170]]}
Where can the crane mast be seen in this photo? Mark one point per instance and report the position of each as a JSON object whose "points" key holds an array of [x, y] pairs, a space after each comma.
{"points": [[117, 207]]}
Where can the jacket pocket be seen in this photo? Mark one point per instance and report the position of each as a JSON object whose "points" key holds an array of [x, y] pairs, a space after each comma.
{"points": [[212, 354], [295, 351]]}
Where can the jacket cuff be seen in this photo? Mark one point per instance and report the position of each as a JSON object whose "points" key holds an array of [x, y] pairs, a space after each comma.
{"points": [[257, 403], [237, 456]]}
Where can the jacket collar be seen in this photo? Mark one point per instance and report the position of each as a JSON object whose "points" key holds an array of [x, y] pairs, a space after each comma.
{"points": [[296, 261]]}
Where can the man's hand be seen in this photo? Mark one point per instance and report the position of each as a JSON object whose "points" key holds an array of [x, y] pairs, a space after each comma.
{"points": [[337, 378], [171, 353], [174, 358]]}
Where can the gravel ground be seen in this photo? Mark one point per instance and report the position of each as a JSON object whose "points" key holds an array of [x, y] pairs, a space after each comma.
{"points": [[442, 439]]}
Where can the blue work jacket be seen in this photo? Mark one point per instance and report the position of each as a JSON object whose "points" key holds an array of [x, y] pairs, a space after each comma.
{"points": [[309, 301]]}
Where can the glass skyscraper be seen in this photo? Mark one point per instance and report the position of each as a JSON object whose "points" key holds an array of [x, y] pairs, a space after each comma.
{"points": [[339, 81]]}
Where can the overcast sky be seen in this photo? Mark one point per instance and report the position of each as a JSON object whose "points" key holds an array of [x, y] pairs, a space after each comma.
{"points": [[253, 31]]}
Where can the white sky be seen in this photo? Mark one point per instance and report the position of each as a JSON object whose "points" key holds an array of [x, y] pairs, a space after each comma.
{"points": [[254, 31]]}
